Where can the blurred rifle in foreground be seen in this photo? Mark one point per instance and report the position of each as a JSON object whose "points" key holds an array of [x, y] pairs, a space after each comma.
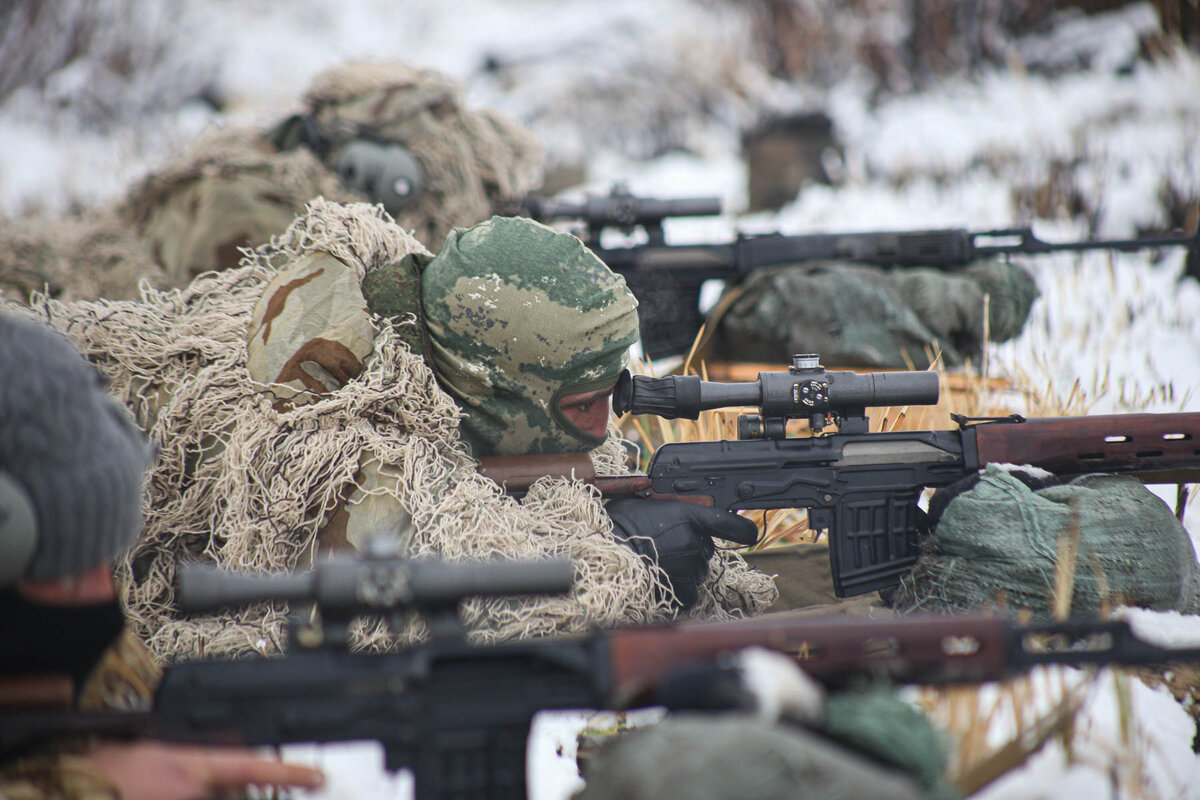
{"points": [[862, 488], [666, 278], [458, 715]]}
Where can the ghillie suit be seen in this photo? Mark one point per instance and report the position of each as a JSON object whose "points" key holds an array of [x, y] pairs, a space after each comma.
{"points": [[231, 190], [73, 258], [240, 187], [862, 316], [257, 477]]}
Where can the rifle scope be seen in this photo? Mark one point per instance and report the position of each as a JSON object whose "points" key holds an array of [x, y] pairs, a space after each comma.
{"points": [[355, 584], [622, 209], [805, 389]]}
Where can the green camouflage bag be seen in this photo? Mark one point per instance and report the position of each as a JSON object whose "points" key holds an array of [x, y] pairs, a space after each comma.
{"points": [[999, 543], [862, 316], [844, 312]]}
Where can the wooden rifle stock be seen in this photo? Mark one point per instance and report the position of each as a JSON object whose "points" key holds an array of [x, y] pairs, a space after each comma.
{"points": [[24, 692], [515, 474], [918, 649], [1156, 448]]}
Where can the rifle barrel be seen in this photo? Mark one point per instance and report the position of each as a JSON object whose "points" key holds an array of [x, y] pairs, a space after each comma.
{"points": [[1032, 245]]}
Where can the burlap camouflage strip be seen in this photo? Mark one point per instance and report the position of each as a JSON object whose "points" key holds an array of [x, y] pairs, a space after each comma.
{"points": [[73, 258]]}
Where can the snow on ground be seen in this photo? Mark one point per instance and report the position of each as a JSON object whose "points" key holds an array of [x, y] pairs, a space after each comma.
{"points": [[961, 154]]}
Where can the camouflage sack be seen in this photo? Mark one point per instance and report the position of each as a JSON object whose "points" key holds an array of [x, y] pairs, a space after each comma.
{"points": [[690, 755], [864, 316], [999, 543], [952, 304], [844, 312]]}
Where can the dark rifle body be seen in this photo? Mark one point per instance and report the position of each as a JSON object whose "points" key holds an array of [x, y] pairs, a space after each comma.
{"points": [[863, 488], [666, 279], [458, 716]]}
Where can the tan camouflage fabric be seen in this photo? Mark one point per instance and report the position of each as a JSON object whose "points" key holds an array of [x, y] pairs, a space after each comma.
{"points": [[73, 258], [125, 678], [473, 160], [311, 331], [55, 776], [248, 484], [520, 315], [231, 190]]}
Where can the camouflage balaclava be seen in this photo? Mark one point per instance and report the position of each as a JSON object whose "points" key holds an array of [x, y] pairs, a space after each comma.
{"points": [[520, 316]]}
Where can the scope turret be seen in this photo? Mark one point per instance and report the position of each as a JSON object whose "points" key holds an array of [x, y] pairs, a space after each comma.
{"points": [[804, 390]]}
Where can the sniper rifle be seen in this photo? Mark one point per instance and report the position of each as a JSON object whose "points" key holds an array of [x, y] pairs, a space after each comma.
{"points": [[666, 278], [861, 488], [458, 715]]}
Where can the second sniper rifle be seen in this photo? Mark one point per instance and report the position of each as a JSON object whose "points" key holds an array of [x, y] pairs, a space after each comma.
{"points": [[458, 715], [862, 488], [666, 278]]}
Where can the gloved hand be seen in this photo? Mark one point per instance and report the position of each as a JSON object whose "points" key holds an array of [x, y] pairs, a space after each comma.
{"points": [[677, 537]]}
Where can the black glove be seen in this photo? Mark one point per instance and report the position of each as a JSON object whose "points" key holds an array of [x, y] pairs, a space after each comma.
{"points": [[677, 537]]}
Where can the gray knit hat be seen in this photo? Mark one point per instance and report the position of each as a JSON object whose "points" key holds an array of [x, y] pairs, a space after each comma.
{"points": [[74, 450]]}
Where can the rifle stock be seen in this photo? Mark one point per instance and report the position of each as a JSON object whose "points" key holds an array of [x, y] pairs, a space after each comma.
{"points": [[515, 474], [1156, 448]]}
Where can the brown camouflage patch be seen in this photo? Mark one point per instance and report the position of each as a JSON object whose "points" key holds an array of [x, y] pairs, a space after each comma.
{"points": [[333, 358], [279, 300]]}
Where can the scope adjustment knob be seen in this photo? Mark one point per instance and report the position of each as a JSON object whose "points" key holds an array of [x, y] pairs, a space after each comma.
{"points": [[811, 394]]}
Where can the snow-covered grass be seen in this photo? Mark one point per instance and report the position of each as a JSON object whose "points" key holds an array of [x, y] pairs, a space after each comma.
{"points": [[964, 153]]}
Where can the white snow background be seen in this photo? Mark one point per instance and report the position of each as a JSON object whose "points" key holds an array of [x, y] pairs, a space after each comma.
{"points": [[584, 73]]}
